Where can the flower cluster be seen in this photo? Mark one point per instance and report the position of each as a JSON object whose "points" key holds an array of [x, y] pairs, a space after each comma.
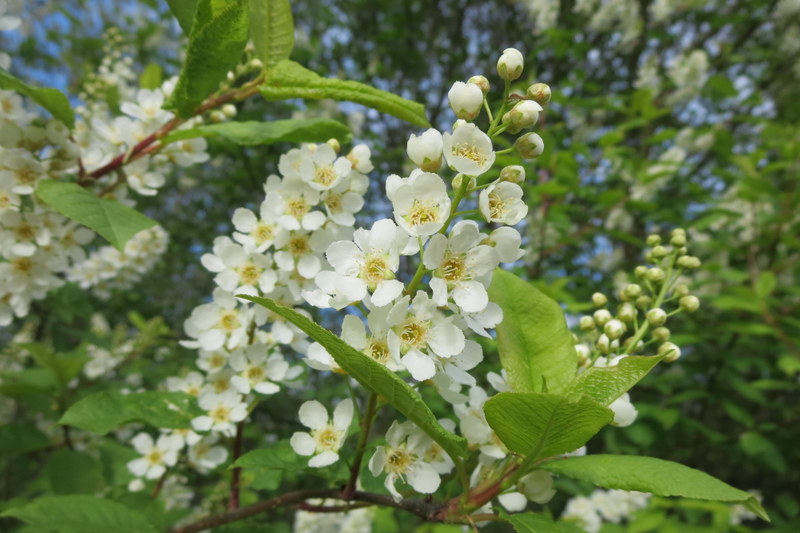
{"points": [[614, 506]]}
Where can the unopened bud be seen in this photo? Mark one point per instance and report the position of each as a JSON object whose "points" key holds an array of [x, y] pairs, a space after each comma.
{"points": [[632, 291], [426, 150], [256, 63], [217, 116], [601, 316], [656, 316], [529, 146], [583, 352], [689, 261], [523, 115], [659, 252], [640, 271], [661, 334], [690, 303], [458, 181], [678, 240], [481, 82], [681, 290], [599, 299], [586, 323], [465, 99], [603, 343], [614, 329], [229, 110], [333, 143], [653, 240], [510, 64], [670, 351], [626, 312], [655, 275], [513, 173], [643, 302], [539, 92]]}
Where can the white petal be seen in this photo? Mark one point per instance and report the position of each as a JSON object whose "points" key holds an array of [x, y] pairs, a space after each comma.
{"points": [[386, 291], [343, 255], [303, 443], [513, 501], [343, 414], [202, 423], [446, 340], [419, 365], [313, 415], [423, 478], [471, 296], [324, 459]]}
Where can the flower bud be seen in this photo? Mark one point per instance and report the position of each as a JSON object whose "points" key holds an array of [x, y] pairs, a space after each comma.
{"points": [[640, 271], [586, 323], [678, 240], [643, 302], [626, 312], [513, 173], [629, 342], [510, 64], [523, 115], [659, 252], [656, 316], [678, 231], [670, 351], [655, 275], [256, 64], [229, 110], [481, 82], [601, 316], [217, 116], [603, 344], [661, 334], [653, 240], [681, 290], [690, 303], [583, 352], [426, 150], [458, 181], [599, 299], [539, 92], [682, 250], [529, 146], [689, 261], [465, 99], [614, 329], [333, 143], [632, 291]]}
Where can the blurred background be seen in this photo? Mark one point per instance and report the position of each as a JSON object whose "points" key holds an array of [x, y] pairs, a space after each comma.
{"points": [[665, 114]]}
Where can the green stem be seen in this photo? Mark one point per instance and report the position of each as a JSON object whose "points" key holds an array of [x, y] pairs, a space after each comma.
{"points": [[366, 425]]}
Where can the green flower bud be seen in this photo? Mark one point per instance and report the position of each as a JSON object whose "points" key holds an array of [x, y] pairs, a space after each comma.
{"points": [[653, 240], [626, 312], [640, 271], [513, 174], [510, 64], [583, 353], [655, 275], [481, 82], [681, 290], [678, 239], [614, 329], [656, 316], [671, 352], [603, 343], [659, 252], [599, 299], [690, 303], [529, 146], [601, 316], [333, 143], [217, 116], [632, 291], [661, 334], [539, 92], [587, 323], [459, 180], [643, 302], [229, 110]]}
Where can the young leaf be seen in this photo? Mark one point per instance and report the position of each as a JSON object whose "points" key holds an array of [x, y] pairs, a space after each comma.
{"points": [[648, 474], [80, 514], [287, 79], [543, 425], [184, 11], [373, 376], [103, 411], [272, 30], [533, 341], [219, 33], [251, 133], [606, 384], [114, 221], [537, 523], [51, 99], [17, 438]]}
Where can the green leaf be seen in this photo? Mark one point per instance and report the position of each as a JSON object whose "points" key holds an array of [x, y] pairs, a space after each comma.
{"points": [[81, 514], [537, 523], [251, 133], [288, 79], [71, 472], [542, 425], [533, 341], [17, 437], [648, 474], [114, 221], [272, 30], [606, 384], [374, 377], [151, 77], [217, 39], [52, 100], [278, 456], [765, 284], [184, 11], [103, 411], [764, 450], [65, 367]]}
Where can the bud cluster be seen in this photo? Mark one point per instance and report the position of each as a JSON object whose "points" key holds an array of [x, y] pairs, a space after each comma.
{"points": [[644, 307]]}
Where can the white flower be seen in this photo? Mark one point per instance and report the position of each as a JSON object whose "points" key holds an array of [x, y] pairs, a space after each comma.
{"points": [[326, 436], [219, 323], [421, 204], [506, 242], [256, 371], [359, 158], [474, 426], [465, 100], [322, 170], [156, 456], [258, 233], [372, 259], [344, 200], [335, 290], [624, 411], [148, 106], [238, 267], [300, 251], [460, 265], [502, 202], [403, 458], [292, 202], [468, 150], [204, 456], [223, 412], [375, 345], [21, 170], [426, 150], [420, 333]]}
